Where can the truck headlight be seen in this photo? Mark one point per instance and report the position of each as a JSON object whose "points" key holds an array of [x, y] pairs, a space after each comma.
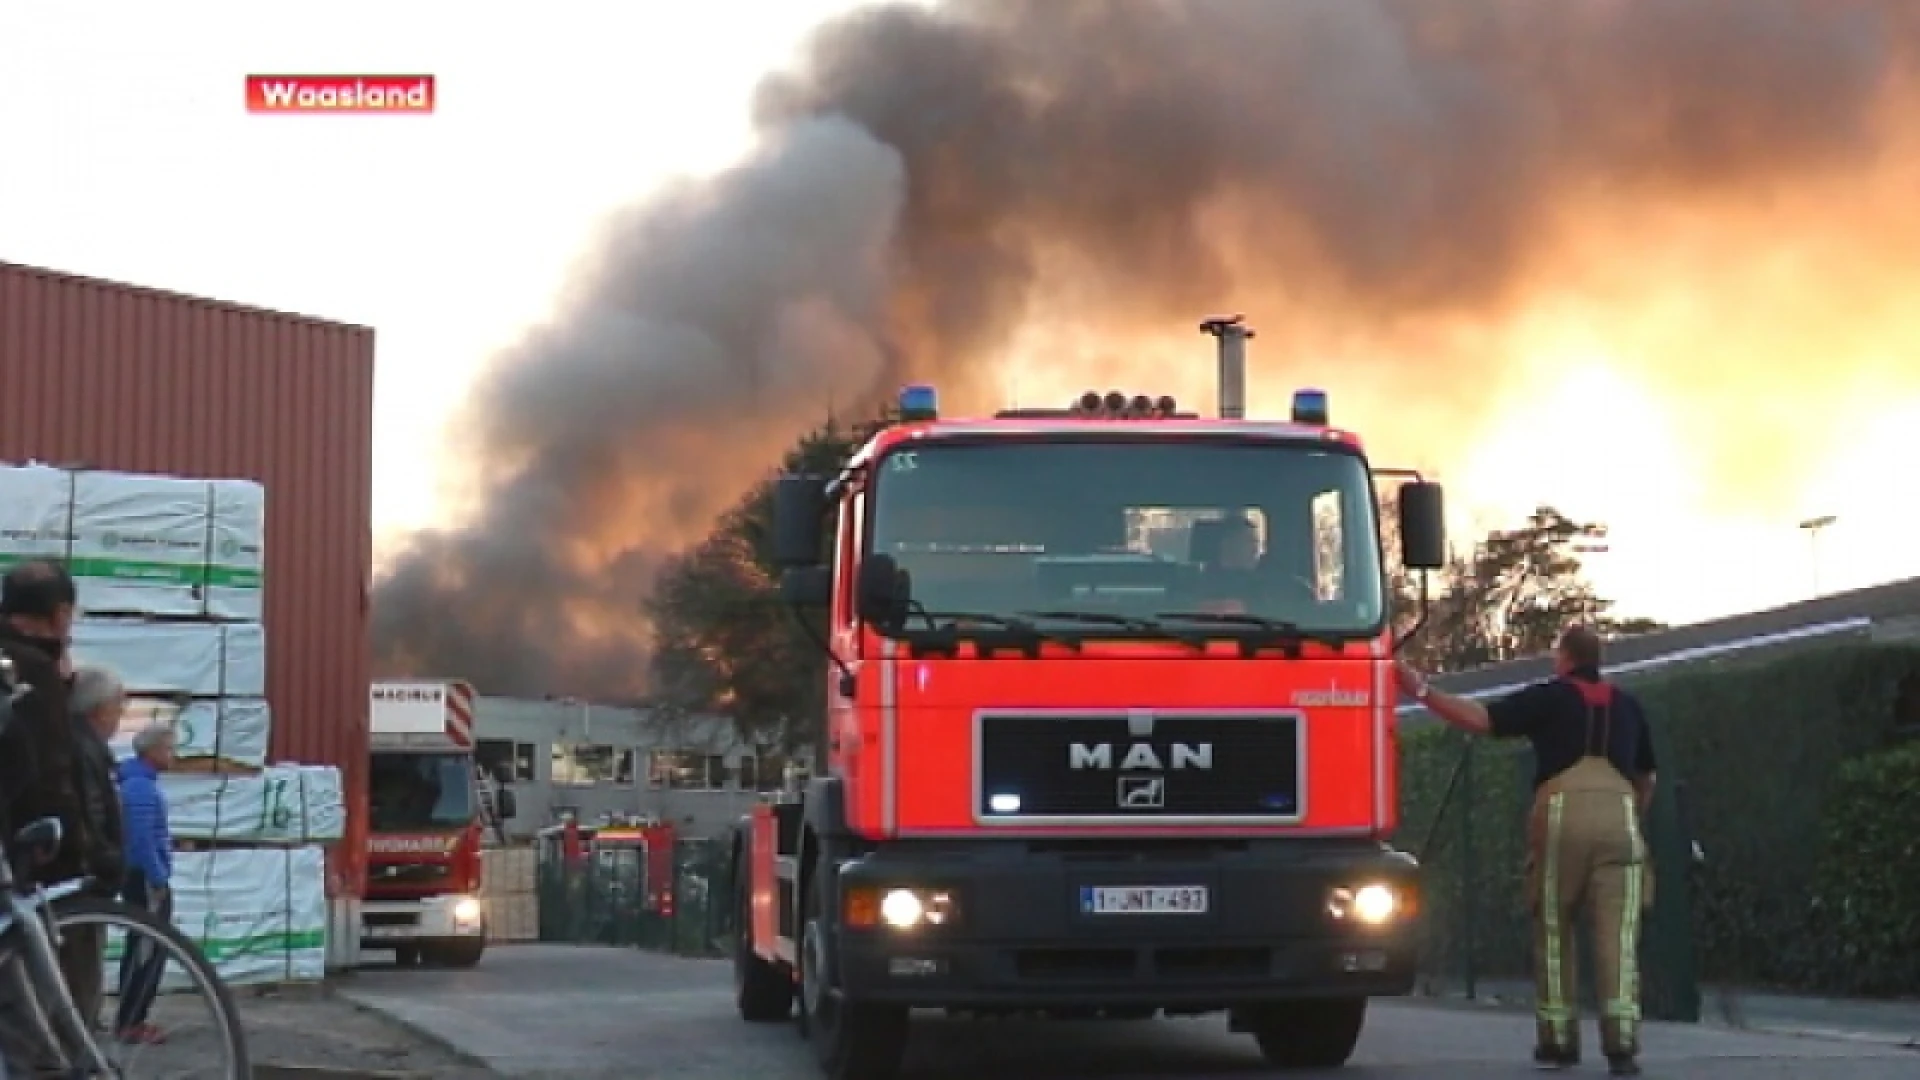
{"points": [[1373, 904], [466, 911], [899, 907], [902, 909]]}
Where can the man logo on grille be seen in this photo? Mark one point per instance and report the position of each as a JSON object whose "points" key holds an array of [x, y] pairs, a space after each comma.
{"points": [[1143, 792]]}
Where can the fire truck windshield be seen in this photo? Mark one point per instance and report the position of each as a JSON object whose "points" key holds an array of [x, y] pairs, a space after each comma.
{"points": [[1143, 526], [420, 791]]}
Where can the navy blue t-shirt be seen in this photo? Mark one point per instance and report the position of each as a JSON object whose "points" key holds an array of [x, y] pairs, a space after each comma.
{"points": [[1555, 718]]}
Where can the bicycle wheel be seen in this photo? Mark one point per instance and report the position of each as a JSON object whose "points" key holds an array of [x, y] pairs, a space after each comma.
{"points": [[189, 1026]]}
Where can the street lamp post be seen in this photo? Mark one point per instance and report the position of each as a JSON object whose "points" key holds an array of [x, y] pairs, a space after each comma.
{"points": [[1591, 540], [1812, 526]]}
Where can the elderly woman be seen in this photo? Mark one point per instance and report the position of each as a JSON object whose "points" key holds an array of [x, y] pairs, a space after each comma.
{"points": [[95, 702]]}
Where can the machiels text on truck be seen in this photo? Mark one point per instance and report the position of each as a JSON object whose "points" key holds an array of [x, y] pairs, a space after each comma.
{"points": [[1110, 729], [429, 806]]}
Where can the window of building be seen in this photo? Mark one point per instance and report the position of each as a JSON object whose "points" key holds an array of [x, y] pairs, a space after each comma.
{"points": [[686, 770], [763, 773], [506, 759], [583, 764]]}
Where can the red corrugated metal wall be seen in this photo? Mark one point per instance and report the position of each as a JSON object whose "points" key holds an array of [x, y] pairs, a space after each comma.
{"points": [[115, 377]]}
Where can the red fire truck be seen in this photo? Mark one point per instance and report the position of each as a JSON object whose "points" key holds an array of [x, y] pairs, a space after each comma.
{"points": [[1110, 729], [429, 806], [633, 855]]}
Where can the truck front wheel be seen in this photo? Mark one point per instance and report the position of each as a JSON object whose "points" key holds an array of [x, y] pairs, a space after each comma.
{"points": [[762, 992], [854, 1040], [1307, 1034]]}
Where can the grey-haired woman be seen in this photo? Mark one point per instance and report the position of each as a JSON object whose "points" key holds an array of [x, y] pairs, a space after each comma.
{"points": [[95, 701]]}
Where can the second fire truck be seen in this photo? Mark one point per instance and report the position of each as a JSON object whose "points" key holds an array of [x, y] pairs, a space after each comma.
{"points": [[430, 807]]}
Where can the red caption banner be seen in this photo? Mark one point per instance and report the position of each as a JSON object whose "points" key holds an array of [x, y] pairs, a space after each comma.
{"points": [[358, 95]]}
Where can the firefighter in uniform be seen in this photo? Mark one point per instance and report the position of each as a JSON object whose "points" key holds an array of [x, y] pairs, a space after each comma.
{"points": [[1585, 849]]}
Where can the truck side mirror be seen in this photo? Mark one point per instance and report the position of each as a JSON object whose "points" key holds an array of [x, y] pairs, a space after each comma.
{"points": [[883, 593], [799, 507], [1423, 526], [807, 586], [509, 806]]}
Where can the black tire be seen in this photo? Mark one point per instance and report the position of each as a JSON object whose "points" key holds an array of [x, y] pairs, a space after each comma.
{"points": [[73, 912], [1308, 1034], [406, 956], [854, 1040], [455, 952], [762, 991]]}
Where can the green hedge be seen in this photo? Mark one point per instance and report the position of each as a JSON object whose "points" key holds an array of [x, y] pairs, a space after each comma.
{"points": [[1772, 759], [1475, 918], [1867, 891]]}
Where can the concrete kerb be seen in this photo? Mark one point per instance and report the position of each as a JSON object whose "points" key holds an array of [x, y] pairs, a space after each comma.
{"points": [[1522, 1003], [325, 1073]]}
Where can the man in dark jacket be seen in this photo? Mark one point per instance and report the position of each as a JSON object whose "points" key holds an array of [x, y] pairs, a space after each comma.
{"points": [[97, 700], [38, 751], [38, 761]]}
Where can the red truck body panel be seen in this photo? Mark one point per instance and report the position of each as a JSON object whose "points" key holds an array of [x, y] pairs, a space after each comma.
{"points": [[924, 752]]}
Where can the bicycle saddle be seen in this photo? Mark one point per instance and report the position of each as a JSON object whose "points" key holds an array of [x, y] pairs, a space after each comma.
{"points": [[36, 843]]}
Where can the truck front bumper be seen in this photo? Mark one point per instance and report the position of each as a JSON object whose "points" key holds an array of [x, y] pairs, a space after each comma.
{"points": [[1279, 924], [386, 924]]}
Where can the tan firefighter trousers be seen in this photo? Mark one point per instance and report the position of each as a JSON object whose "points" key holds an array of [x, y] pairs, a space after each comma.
{"points": [[1585, 853]]}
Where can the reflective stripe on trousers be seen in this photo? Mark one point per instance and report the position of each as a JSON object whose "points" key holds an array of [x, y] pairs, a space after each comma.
{"points": [[1586, 854]]}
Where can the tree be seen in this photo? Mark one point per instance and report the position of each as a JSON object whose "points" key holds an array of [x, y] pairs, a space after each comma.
{"points": [[1511, 595], [724, 642]]}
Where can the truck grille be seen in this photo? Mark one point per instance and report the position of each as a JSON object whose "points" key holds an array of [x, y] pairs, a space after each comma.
{"points": [[408, 875], [1085, 767]]}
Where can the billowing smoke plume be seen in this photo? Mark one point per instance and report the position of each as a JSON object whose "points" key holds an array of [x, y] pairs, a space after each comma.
{"points": [[1052, 190]]}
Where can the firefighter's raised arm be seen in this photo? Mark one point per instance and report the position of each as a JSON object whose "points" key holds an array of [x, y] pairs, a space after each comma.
{"points": [[1469, 716]]}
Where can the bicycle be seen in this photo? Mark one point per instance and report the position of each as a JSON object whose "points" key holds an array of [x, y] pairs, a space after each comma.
{"points": [[33, 922]]}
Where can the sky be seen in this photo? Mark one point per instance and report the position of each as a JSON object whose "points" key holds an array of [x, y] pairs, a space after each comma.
{"points": [[129, 155]]}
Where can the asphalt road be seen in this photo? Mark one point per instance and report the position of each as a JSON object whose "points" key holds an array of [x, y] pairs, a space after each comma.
{"points": [[551, 1011]]}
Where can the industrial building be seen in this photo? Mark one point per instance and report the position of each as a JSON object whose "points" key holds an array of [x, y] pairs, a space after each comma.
{"points": [[574, 758]]}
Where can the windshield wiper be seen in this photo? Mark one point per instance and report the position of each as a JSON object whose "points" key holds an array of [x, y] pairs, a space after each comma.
{"points": [[1280, 630], [998, 622], [948, 622], [1233, 618], [1124, 622]]}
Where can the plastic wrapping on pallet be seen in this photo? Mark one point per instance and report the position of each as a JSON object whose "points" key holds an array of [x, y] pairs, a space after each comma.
{"points": [[236, 559], [231, 730], [139, 543], [33, 513], [260, 914], [282, 804], [324, 795], [243, 660], [153, 658], [209, 735], [177, 658]]}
